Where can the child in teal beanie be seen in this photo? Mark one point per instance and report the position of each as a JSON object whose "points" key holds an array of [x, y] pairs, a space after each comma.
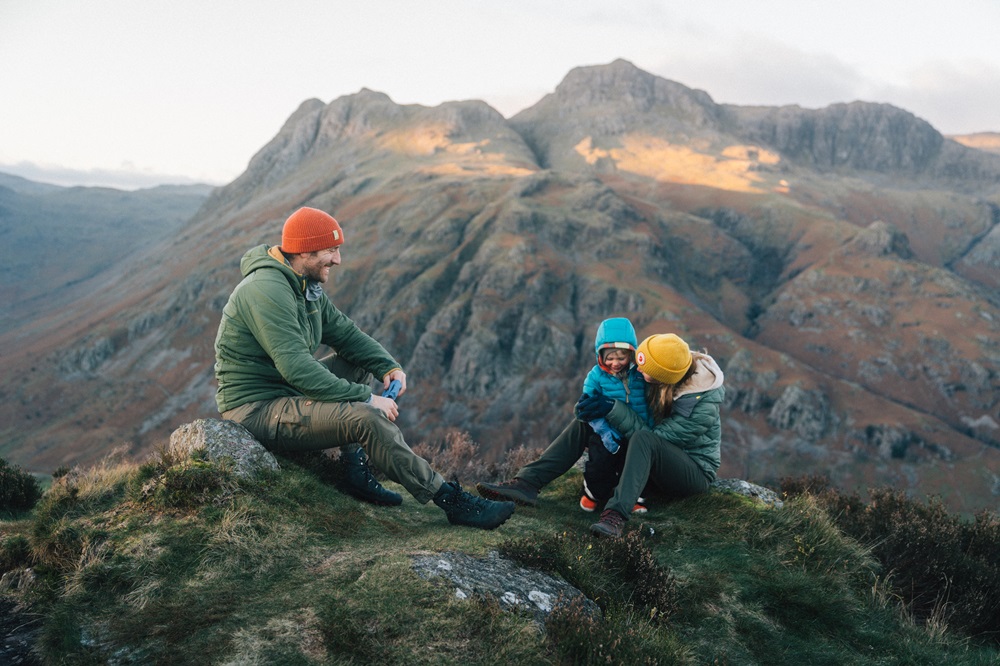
{"points": [[614, 376]]}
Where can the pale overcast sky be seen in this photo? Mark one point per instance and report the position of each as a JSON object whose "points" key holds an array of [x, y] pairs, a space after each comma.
{"points": [[131, 93]]}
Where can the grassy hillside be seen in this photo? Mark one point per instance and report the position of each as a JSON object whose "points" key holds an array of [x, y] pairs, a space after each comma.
{"points": [[174, 561]]}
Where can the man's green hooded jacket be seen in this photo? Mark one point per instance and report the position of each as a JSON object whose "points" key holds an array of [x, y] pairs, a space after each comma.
{"points": [[270, 332]]}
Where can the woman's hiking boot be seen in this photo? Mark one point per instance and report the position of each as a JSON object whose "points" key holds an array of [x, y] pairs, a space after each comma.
{"points": [[515, 490], [611, 524], [360, 482], [465, 509]]}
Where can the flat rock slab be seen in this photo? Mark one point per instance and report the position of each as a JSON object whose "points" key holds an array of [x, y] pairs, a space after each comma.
{"points": [[513, 586]]}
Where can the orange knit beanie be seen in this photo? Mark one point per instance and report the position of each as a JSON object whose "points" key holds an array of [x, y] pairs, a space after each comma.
{"points": [[310, 230], [664, 357]]}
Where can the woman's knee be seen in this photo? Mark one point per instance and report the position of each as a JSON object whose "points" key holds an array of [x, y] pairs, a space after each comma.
{"points": [[644, 439]]}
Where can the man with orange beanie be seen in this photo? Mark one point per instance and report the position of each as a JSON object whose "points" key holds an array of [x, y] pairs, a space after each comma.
{"points": [[272, 384]]}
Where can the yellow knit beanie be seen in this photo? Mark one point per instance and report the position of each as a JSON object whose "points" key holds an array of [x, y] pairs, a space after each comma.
{"points": [[664, 357]]}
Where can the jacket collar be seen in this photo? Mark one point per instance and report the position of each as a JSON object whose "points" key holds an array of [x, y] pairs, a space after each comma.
{"points": [[311, 289]]}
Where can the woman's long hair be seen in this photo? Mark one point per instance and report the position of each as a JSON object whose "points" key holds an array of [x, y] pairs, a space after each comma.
{"points": [[660, 397]]}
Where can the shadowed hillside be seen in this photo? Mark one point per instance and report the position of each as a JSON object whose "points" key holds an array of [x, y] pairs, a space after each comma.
{"points": [[840, 263], [52, 238]]}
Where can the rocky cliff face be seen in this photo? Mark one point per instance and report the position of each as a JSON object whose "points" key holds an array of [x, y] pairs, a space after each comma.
{"points": [[826, 258], [872, 137], [863, 136]]}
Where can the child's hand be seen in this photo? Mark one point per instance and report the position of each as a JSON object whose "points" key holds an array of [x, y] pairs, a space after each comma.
{"points": [[591, 407]]}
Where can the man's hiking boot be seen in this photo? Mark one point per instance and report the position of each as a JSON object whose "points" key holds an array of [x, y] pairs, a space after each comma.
{"points": [[611, 524], [360, 482], [465, 509], [515, 490]]}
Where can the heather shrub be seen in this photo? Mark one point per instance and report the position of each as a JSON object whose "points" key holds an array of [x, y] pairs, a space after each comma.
{"points": [[19, 490], [648, 584], [579, 638], [457, 457], [621, 573], [622, 576], [944, 568], [814, 484]]}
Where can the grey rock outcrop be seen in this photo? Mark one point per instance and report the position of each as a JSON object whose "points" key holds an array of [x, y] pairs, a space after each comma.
{"points": [[882, 238], [224, 441], [892, 441], [748, 387], [806, 412], [513, 586], [85, 360], [753, 491]]}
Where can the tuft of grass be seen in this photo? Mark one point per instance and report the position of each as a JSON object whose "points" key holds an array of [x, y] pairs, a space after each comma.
{"points": [[15, 552], [170, 480]]}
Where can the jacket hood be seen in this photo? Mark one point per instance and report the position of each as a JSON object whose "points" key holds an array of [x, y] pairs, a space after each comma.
{"points": [[615, 333], [707, 375]]}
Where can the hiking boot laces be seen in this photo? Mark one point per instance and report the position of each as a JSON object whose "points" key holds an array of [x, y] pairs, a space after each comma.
{"points": [[611, 524], [463, 508], [360, 481]]}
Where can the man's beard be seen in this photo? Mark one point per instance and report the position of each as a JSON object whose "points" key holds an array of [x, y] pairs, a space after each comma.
{"points": [[315, 274]]}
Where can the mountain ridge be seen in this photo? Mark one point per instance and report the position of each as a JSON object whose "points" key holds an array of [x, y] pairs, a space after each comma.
{"points": [[483, 251]]}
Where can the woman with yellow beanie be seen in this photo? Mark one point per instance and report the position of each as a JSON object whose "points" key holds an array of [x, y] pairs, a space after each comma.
{"points": [[680, 453]]}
